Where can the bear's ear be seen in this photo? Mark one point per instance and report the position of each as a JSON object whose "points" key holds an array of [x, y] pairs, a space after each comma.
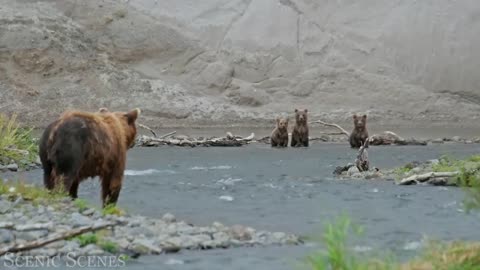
{"points": [[103, 110], [306, 110], [364, 116], [277, 120], [355, 116], [296, 110], [132, 115]]}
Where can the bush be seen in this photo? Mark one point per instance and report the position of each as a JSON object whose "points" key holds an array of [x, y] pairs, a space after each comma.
{"points": [[16, 144]]}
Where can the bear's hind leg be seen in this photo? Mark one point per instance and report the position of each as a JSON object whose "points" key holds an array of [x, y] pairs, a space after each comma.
{"points": [[111, 187]]}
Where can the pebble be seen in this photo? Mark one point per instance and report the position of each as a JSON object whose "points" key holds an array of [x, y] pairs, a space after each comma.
{"points": [[79, 220], [6, 236], [88, 212], [32, 235], [226, 198], [5, 207]]}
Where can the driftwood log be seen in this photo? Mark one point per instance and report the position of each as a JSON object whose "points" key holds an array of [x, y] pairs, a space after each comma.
{"points": [[229, 140], [390, 138], [361, 161], [53, 238], [342, 131], [420, 178]]}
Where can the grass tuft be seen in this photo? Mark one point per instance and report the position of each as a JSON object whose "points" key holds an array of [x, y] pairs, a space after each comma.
{"points": [[16, 144], [29, 192], [112, 209]]}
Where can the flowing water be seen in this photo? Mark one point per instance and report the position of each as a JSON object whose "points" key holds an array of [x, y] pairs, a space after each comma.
{"points": [[290, 190]]}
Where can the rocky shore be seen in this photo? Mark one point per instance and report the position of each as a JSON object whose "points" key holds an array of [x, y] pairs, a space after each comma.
{"points": [[24, 220]]}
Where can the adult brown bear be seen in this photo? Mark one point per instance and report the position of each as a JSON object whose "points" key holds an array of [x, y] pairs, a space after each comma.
{"points": [[80, 144]]}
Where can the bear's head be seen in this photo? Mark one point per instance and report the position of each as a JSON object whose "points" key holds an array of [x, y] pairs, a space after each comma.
{"points": [[282, 123], [127, 120], [360, 122], [301, 116]]}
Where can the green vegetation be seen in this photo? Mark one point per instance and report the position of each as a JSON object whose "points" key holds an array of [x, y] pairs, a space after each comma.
{"points": [[16, 144], [437, 255], [29, 192], [81, 204], [402, 171], [112, 209], [96, 238], [87, 239], [109, 246], [337, 255]]}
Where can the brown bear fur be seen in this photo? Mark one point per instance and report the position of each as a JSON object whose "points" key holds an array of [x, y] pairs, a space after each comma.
{"points": [[80, 145], [300, 130], [279, 137], [359, 134]]}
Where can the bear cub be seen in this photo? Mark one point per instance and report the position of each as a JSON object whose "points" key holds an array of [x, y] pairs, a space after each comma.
{"points": [[300, 130], [279, 137], [359, 134]]}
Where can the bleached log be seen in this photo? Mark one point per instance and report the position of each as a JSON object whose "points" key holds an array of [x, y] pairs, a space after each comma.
{"points": [[419, 178], [361, 161], [167, 135], [343, 131], [147, 128]]}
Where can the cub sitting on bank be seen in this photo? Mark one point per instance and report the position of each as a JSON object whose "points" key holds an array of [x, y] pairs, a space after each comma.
{"points": [[279, 137], [80, 144], [359, 133], [300, 130]]}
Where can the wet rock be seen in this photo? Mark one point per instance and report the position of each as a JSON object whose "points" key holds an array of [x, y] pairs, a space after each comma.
{"points": [[242, 233], [79, 220], [31, 235], [69, 246], [92, 250], [437, 140], [353, 170], [144, 246], [169, 218], [12, 167], [5, 207], [6, 236], [88, 212]]}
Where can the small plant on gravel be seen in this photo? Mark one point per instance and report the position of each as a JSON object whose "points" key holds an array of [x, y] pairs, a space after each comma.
{"points": [[16, 144], [29, 192], [112, 209], [109, 246], [402, 171], [81, 204], [86, 239]]}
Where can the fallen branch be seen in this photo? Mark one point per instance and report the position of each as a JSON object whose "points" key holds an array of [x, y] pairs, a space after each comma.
{"points": [[147, 128], [361, 161], [343, 131], [53, 238], [167, 135], [419, 178]]}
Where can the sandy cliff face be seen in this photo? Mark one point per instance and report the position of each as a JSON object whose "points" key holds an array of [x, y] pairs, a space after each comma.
{"points": [[215, 61]]}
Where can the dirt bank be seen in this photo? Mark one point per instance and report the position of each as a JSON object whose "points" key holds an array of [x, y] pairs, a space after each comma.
{"points": [[220, 63]]}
